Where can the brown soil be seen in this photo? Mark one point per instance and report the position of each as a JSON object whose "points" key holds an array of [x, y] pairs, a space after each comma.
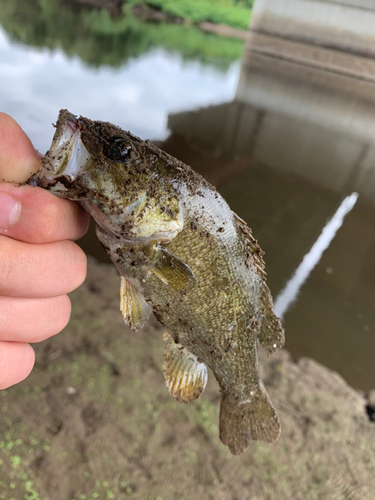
{"points": [[94, 421]]}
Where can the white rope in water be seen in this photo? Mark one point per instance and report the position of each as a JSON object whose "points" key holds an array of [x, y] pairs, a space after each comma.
{"points": [[289, 294]]}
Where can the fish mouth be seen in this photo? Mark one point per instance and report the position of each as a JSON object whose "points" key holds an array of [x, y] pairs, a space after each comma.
{"points": [[67, 156]]}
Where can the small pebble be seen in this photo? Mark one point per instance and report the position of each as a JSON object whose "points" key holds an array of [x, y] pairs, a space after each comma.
{"points": [[71, 390]]}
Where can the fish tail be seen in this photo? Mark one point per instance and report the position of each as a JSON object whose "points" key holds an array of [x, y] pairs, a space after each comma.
{"points": [[251, 419]]}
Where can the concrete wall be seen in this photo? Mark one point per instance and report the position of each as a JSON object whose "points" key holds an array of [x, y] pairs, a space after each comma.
{"points": [[343, 24], [327, 98], [296, 119], [299, 108]]}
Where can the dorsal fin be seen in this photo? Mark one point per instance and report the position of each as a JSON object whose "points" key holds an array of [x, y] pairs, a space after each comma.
{"points": [[270, 333], [254, 249]]}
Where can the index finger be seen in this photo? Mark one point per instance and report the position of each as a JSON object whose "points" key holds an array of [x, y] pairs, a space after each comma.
{"points": [[44, 217]]}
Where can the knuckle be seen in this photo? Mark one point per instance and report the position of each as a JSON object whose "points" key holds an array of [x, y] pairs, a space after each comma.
{"points": [[62, 219], [52, 221]]}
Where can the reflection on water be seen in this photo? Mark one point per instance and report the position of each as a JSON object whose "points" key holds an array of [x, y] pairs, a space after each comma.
{"points": [[289, 294], [285, 149], [136, 76], [286, 153], [99, 38]]}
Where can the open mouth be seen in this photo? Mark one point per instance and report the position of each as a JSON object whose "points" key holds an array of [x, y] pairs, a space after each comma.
{"points": [[68, 154], [65, 132], [72, 123]]}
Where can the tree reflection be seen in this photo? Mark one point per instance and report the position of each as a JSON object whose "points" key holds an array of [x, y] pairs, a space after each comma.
{"points": [[100, 38]]}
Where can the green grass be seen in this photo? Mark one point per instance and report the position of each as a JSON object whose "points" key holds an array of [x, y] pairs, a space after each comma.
{"points": [[231, 12]]}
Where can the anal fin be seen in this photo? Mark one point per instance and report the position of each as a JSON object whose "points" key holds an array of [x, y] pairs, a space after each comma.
{"points": [[134, 308], [185, 376], [172, 271]]}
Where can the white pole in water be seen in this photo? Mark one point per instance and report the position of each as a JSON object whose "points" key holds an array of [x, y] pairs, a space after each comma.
{"points": [[289, 294]]}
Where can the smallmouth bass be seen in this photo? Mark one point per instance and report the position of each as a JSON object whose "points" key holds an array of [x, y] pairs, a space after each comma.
{"points": [[182, 254]]}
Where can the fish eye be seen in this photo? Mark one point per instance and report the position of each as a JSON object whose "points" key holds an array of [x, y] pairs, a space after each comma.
{"points": [[116, 149]]}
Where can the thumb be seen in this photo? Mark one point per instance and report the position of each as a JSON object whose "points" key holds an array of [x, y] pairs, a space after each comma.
{"points": [[18, 158]]}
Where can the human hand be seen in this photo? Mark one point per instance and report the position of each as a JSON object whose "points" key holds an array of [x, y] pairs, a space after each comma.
{"points": [[39, 263]]}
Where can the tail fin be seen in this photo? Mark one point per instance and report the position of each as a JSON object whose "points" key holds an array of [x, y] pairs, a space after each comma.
{"points": [[253, 419]]}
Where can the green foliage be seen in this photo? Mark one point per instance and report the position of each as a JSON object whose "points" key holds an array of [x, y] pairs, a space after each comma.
{"points": [[216, 11], [245, 3], [100, 39]]}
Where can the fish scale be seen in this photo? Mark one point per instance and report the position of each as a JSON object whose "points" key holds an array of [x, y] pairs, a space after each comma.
{"points": [[182, 253]]}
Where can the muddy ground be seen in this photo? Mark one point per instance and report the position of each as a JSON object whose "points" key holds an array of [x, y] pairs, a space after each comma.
{"points": [[94, 421]]}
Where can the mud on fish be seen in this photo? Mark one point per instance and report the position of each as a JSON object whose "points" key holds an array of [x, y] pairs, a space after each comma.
{"points": [[182, 254]]}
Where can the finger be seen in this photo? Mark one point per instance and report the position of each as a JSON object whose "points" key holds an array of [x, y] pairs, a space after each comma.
{"points": [[48, 270], [18, 158], [40, 216], [33, 320], [16, 362]]}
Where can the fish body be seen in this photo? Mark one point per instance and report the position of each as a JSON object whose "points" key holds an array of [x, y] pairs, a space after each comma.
{"points": [[182, 254]]}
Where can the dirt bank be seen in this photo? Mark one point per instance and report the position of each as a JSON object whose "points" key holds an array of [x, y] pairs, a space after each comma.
{"points": [[95, 421]]}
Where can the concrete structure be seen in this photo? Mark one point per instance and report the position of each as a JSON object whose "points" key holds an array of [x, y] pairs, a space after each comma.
{"points": [[320, 122], [299, 108], [346, 25]]}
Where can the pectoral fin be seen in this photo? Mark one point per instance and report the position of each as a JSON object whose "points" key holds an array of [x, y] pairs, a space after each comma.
{"points": [[172, 271], [133, 306], [185, 376]]}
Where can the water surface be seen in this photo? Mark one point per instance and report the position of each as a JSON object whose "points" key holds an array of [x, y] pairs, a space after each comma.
{"points": [[284, 143]]}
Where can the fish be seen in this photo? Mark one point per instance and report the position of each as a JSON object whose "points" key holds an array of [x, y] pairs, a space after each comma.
{"points": [[181, 254]]}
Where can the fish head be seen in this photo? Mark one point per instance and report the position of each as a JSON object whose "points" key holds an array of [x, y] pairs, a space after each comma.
{"points": [[112, 174], [88, 155]]}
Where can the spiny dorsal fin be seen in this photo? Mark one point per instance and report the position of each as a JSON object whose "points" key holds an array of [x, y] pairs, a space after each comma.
{"points": [[134, 308], [185, 376], [271, 333], [172, 271], [254, 251]]}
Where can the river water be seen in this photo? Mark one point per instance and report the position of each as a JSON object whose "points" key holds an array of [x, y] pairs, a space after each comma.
{"points": [[290, 148]]}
